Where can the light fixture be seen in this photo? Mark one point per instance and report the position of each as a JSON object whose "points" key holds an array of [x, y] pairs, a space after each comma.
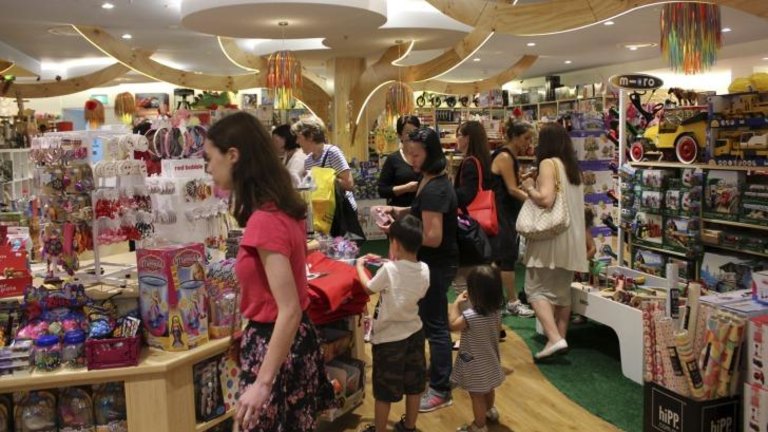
{"points": [[476, 59], [765, 58], [284, 74], [530, 44], [634, 46], [609, 23], [568, 62], [107, 5], [726, 30], [127, 36], [691, 35]]}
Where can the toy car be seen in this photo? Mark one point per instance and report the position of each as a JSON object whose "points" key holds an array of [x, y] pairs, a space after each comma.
{"points": [[685, 137]]}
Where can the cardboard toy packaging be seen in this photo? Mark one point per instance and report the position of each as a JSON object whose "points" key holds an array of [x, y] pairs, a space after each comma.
{"points": [[172, 296], [755, 412]]}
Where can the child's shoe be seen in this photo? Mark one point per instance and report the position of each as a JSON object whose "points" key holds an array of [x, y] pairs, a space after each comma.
{"points": [[400, 426], [369, 428], [492, 415], [472, 427], [432, 400]]}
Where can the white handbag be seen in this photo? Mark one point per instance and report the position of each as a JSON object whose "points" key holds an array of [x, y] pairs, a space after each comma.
{"points": [[536, 223]]}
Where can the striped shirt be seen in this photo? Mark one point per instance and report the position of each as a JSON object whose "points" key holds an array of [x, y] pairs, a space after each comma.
{"points": [[334, 160], [478, 366]]}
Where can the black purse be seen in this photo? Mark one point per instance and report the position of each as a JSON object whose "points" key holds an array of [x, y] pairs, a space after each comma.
{"points": [[474, 245]]}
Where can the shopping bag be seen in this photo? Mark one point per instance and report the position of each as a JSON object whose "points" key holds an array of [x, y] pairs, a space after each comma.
{"points": [[323, 199]]}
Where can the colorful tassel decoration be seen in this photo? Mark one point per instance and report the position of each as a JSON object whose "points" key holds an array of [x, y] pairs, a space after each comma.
{"points": [[399, 101], [690, 36], [284, 78]]}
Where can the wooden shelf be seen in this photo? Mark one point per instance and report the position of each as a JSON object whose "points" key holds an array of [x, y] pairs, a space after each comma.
{"points": [[741, 251], [661, 250], [662, 164], [735, 224], [152, 361], [211, 423]]}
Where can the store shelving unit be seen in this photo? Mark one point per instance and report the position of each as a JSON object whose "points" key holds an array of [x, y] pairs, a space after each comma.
{"points": [[17, 162]]}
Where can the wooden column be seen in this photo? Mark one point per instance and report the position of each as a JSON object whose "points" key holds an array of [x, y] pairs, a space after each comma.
{"points": [[346, 72]]}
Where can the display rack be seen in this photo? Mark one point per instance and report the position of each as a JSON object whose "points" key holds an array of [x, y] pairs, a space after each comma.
{"points": [[15, 173]]}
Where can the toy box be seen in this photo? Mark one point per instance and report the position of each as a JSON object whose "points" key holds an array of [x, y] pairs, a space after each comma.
{"points": [[757, 351], [681, 234], [14, 272], [723, 298], [721, 194], [747, 308], [649, 262], [755, 411], [727, 273], [654, 178], [667, 411], [647, 228], [172, 296]]}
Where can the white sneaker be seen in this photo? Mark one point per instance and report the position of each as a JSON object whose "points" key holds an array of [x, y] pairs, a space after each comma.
{"points": [[517, 308], [492, 415]]}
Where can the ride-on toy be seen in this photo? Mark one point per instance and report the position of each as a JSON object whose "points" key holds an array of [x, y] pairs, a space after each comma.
{"points": [[684, 136]]}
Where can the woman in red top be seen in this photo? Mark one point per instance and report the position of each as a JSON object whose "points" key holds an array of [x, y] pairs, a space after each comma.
{"points": [[283, 385]]}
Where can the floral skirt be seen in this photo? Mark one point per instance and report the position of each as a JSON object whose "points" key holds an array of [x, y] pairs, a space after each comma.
{"points": [[301, 390]]}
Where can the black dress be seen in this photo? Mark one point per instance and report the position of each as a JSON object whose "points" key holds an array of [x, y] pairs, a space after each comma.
{"points": [[505, 249], [396, 172]]}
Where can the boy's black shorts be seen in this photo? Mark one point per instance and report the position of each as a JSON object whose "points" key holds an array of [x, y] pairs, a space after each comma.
{"points": [[399, 368]]}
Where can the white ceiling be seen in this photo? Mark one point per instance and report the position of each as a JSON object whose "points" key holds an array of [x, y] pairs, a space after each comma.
{"points": [[159, 26]]}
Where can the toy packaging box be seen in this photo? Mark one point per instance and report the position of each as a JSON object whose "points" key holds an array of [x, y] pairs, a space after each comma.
{"points": [[172, 296], [721, 194], [649, 262], [755, 408], [727, 273]]}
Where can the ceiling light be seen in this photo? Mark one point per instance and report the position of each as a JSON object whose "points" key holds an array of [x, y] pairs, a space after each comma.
{"points": [[637, 45], [568, 62], [725, 29], [476, 59], [107, 5], [530, 44], [609, 23], [765, 58], [127, 36]]}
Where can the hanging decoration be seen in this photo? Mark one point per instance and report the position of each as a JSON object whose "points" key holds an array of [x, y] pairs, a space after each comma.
{"points": [[399, 101], [94, 113], [125, 107], [690, 36], [284, 78]]}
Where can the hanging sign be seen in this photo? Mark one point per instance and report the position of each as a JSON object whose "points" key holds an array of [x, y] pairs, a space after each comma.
{"points": [[636, 82]]}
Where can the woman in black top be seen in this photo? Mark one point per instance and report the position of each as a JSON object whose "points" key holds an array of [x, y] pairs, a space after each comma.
{"points": [[435, 205], [472, 142], [398, 181], [509, 201]]}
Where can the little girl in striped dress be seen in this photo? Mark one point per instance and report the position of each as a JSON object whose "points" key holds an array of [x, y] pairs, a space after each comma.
{"points": [[478, 366]]}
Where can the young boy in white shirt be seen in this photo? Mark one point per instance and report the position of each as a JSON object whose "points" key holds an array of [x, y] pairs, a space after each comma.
{"points": [[399, 362]]}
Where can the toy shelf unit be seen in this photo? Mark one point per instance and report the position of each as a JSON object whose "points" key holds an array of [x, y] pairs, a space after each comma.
{"points": [[15, 173], [661, 210], [739, 128]]}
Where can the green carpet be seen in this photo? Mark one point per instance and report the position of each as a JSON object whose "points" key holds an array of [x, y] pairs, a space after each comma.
{"points": [[590, 374]]}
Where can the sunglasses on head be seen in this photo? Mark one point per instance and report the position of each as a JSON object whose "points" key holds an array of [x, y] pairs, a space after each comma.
{"points": [[419, 135]]}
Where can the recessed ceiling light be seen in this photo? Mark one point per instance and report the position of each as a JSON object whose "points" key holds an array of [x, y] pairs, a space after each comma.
{"points": [[637, 45], [765, 58], [531, 44], [476, 59], [127, 36], [568, 62], [609, 23], [107, 5], [725, 29]]}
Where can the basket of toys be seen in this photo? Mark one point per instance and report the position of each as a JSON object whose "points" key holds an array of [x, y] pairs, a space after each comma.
{"points": [[112, 353]]}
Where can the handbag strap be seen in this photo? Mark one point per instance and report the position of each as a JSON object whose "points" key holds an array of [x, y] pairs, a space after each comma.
{"points": [[558, 182], [480, 176]]}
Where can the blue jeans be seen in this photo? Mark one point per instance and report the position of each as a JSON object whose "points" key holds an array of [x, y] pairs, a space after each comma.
{"points": [[433, 310]]}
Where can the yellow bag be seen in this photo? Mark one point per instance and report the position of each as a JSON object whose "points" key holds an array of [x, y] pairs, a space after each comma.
{"points": [[323, 198]]}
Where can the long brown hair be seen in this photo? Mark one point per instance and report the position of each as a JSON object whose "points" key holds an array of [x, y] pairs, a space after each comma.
{"points": [[478, 143], [554, 142], [258, 177]]}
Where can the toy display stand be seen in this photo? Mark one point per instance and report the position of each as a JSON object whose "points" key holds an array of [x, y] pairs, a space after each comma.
{"points": [[625, 320]]}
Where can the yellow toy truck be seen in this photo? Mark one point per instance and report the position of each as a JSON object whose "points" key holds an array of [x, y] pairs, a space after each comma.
{"points": [[684, 136]]}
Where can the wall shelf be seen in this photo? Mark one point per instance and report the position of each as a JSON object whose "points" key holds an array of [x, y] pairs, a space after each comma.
{"points": [[709, 166], [741, 251], [201, 427], [735, 224], [660, 250]]}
